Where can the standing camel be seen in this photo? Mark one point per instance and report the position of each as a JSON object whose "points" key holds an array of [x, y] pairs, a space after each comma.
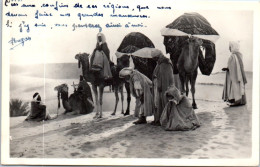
{"points": [[188, 66], [118, 85], [97, 81]]}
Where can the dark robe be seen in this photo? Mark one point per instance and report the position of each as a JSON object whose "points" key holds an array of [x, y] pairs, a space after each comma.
{"points": [[102, 73], [64, 95], [84, 93], [38, 112], [162, 79]]}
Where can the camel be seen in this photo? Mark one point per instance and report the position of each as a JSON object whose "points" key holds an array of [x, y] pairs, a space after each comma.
{"points": [[80, 102], [144, 65], [118, 84], [98, 83], [188, 66]]}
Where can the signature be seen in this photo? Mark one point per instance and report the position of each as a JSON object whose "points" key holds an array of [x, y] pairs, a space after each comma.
{"points": [[17, 42]]}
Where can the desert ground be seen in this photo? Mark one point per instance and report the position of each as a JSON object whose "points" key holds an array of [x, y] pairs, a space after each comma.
{"points": [[225, 132]]}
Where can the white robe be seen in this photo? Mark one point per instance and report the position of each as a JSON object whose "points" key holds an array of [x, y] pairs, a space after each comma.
{"points": [[234, 86]]}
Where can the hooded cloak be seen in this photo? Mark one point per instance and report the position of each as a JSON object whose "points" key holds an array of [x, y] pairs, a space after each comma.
{"points": [[178, 114]]}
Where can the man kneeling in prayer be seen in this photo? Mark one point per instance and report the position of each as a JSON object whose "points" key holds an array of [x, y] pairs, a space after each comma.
{"points": [[178, 114]]}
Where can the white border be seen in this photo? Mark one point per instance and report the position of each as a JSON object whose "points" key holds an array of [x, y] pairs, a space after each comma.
{"points": [[179, 5]]}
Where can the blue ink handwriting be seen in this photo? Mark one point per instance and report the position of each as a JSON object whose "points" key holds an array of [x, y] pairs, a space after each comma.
{"points": [[9, 24], [139, 25], [140, 8], [114, 7], [78, 5], [96, 14], [37, 14], [162, 7], [112, 25], [6, 2], [16, 42], [40, 25], [91, 6], [9, 14], [30, 5], [55, 6], [66, 14], [129, 16], [23, 25], [14, 4], [60, 25], [90, 25]]}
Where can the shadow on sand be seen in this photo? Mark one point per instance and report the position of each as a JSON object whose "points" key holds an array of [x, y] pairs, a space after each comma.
{"points": [[146, 141]]}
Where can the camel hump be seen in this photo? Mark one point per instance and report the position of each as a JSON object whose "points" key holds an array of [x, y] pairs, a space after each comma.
{"points": [[144, 65]]}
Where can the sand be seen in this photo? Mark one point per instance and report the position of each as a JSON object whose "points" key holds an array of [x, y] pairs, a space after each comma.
{"points": [[224, 133]]}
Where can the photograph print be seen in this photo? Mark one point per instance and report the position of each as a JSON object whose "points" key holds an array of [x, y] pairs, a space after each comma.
{"points": [[103, 82]]}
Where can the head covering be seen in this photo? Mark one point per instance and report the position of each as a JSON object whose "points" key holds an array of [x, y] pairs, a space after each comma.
{"points": [[103, 38], [125, 72], [234, 46], [157, 53], [175, 93], [37, 97]]}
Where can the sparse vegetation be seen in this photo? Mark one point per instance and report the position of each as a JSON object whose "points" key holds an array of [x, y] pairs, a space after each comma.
{"points": [[18, 108]]}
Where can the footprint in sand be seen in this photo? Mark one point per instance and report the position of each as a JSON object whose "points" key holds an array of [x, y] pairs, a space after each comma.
{"points": [[205, 149], [213, 148], [115, 156], [74, 154], [123, 144], [162, 145], [187, 150]]}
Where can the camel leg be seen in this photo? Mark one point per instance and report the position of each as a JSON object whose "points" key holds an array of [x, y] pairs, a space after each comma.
{"points": [[182, 79], [193, 82], [187, 84], [121, 89], [94, 88], [101, 90], [127, 87], [117, 99]]}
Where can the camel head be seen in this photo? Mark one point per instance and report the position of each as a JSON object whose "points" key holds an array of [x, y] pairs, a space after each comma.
{"points": [[79, 57], [123, 62], [194, 41], [63, 87]]}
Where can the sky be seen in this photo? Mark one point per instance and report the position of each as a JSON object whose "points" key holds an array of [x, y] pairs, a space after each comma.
{"points": [[60, 45]]}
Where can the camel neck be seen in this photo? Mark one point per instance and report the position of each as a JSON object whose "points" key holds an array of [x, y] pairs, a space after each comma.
{"points": [[193, 52]]}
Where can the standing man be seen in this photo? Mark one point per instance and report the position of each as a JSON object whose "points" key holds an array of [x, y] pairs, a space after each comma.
{"points": [[162, 79], [234, 86]]}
